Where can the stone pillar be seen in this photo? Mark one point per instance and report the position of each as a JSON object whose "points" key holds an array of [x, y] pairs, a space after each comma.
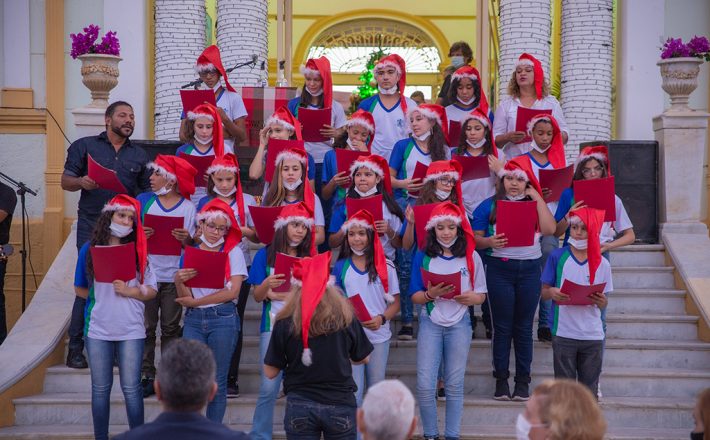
{"points": [[682, 138], [242, 32], [586, 71]]}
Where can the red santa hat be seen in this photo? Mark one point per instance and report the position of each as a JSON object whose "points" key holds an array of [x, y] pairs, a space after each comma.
{"points": [[481, 117], [598, 152], [364, 219], [378, 165], [529, 60], [364, 119], [313, 273], [400, 66], [435, 112], [229, 163], [283, 117], [321, 66], [178, 170], [472, 73], [449, 211], [447, 168], [216, 208], [208, 111], [210, 59], [123, 202], [556, 151], [298, 212], [593, 219], [521, 167]]}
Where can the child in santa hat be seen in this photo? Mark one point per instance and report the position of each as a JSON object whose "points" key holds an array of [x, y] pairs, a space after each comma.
{"points": [[362, 269], [172, 183], [444, 323], [315, 342], [578, 338], [211, 313], [114, 321], [513, 276], [230, 106], [528, 88], [389, 106], [465, 95]]}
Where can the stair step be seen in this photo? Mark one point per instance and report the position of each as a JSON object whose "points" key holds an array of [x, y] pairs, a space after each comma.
{"points": [[646, 301], [639, 255], [641, 277]]}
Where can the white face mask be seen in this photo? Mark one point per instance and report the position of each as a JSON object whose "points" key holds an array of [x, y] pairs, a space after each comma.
{"points": [[469, 102], [203, 141], [217, 86], [358, 253], [578, 244], [457, 61], [390, 91], [522, 428], [228, 193], [367, 193], [478, 144], [423, 136], [294, 244], [442, 195], [162, 191], [350, 145], [449, 244], [294, 185], [120, 231], [538, 149], [318, 93], [211, 245], [517, 198]]}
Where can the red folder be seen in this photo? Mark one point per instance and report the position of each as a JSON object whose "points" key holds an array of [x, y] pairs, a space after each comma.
{"points": [[284, 265], [524, 116], [264, 218], [275, 147], [518, 221], [419, 173], [371, 204], [452, 279], [210, 266], [422, 213], [201, 163], [473, 167], [104, 177], [556, 180], [344, 159], [113, 263], [193, 98], [454, 133], [312, 121], [598, 194], [359, 307], [162, 241], [579, 294]]}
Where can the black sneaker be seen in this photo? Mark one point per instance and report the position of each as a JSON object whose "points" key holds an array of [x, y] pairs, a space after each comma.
{"points": [[147, 385], [544, 334], [441, 394], [521, 393], [502, 390], [489, 334], [76, 359], [406, 333], [232, 390]]}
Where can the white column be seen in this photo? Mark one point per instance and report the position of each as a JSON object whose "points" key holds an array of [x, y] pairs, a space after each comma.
{"points": [[586, 70], [16, 43], [242, 31]]}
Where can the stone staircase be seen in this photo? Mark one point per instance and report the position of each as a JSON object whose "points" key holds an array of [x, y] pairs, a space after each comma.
{"points": [[654, 366]]}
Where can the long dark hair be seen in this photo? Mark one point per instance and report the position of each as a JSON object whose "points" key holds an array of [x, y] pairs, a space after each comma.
{"points": [[463, 145], [501, 195], [306, 98], [578, 171], [280, 244], [427, 194], [341, 141], [453, 91], [387, 198], [210, 186], [437, 143], [434, 249], [101, 235], [346, 252]]}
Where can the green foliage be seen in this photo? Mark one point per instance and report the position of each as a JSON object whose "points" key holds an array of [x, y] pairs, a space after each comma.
{"points": [[368, 86]]}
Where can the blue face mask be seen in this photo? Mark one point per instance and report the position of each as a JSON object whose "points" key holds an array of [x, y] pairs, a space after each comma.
{"points": [[457, 61]]}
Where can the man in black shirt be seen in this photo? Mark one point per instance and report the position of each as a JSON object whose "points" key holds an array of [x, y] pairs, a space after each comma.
{"points": [[8, 201], [112, 149]]}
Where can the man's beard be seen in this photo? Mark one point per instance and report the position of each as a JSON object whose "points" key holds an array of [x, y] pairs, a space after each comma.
{"points": [[118, 130]]}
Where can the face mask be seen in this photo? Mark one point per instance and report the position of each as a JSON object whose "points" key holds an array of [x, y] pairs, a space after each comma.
{"points": [[442, 195], [294, 185], [294, 244], [217, 86], [578, 244], [350, 145], [120, 231], [358, 253], [203, 141], [318, 93], [522, 428], [696, 436], [538, 149], [457, 61], [517, 198], [225, 194], [367, 193], [478, 144], [469, 102], [211, 245], [449, 244], [162, 191], [390, 91], [422, 137]]}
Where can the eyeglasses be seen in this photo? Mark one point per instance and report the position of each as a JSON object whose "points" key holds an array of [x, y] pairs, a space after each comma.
{"points": [[595, 170], [213, 228], [446, 181]]}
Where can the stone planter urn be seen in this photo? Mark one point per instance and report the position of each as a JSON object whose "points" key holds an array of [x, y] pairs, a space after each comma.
{"points": [[99, 73], [680, 78]]}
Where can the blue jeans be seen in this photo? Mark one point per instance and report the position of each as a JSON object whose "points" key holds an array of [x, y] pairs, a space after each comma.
{"points": [[366, 375], [217, 327], [263, 421], [101, 355], [433, 343], [306, 419], [403, 259], [513, 293], [325, 204], [548, 243]]}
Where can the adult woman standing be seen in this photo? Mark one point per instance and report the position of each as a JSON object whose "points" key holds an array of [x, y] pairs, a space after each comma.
{"points": [[527, 88]]}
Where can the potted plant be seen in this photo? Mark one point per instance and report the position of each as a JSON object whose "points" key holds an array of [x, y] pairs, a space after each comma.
{"points": [[99, 62], [680, 64]]}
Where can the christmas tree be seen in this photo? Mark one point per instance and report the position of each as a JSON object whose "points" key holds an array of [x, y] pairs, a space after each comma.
{"points": [[368, 85]]}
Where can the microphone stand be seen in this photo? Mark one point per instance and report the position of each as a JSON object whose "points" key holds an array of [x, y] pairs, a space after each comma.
{"points": [[22, 189], [196, 83]]}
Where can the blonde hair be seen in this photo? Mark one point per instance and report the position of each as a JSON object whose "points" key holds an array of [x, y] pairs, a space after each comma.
{"points": [[570, 411], [333, 313], [277, 192], [514, 89]]}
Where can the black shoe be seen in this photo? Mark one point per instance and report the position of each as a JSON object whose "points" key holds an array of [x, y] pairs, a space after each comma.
{"points": [[473, 335], [502, 390], [441, 394], [232, 390], [521, 393], [544, 334], [406, 333], [147, 385], [76, 359], [489, 334]]}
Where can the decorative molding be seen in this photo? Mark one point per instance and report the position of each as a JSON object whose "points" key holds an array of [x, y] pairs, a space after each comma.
{"points": [[16, 97], [22, 121]]}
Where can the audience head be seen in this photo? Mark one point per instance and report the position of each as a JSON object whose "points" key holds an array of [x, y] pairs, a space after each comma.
{"points": [[387, 412], [418, 97], [701, 415], [460, 54], [186, 377]]}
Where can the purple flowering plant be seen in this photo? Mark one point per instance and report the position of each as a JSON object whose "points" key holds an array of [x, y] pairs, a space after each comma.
{"points": [[85, 42], [697, 47]]}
